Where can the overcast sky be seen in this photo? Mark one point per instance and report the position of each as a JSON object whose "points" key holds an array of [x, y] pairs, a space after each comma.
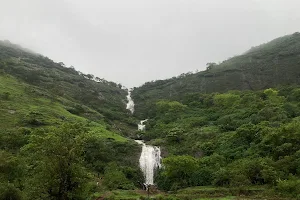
{"points": [[134, 41]]}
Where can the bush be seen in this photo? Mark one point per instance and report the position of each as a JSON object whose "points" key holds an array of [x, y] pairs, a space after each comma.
{"points": [[290, 187], [10, 192], [114, 178], [5, 96], [34, 119], [76, 110], [222, 177], [249, 171], [178, 172]]}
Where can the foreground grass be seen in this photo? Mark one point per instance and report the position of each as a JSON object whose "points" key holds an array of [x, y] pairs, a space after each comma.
{"points": [[195, 193]]}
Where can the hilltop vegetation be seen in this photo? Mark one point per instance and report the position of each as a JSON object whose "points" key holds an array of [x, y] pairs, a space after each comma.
{"points": [[267, 66]]}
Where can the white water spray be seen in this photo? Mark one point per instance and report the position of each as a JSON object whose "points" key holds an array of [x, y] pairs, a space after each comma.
{"points": [[130, 104], [142, 126], [149, 161]]}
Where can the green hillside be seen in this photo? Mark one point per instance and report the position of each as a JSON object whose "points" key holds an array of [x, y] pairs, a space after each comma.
{"points": [[60, 130], [230, 132], [273, 64], [235, 125], [234, 139], [84, 89]]}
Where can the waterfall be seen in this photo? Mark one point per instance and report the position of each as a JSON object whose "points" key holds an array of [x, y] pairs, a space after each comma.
{"points": [[130, 104], [142, 126], [150, 157], [149, 161]]}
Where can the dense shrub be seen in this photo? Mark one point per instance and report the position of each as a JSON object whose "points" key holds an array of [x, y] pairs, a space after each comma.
{"points": [[289, 187], [10, 192]]}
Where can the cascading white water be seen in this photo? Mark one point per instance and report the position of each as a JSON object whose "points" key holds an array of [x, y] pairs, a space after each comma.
{"points": [[130, 103], [150, 157], [142, 126], [149, 161]]}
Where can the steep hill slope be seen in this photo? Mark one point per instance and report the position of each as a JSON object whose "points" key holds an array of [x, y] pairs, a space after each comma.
{"points": [[246, 137], [268, 65], [82, 92], [25, 108]]}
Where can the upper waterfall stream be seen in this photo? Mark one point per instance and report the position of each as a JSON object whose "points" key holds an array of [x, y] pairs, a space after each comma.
{"points": [[130, 103]]}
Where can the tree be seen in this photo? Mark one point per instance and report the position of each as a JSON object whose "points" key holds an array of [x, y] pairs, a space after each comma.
{"points": [[62, 64], [10, 192], [56, 156], [226, 100], [178, 171], [98, 79], [90, 76], [114, 178], [171, 110], [210, 65], [170, 106]]}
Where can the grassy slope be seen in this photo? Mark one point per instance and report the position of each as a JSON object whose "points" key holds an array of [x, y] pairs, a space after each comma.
{"points": [[79, 93], [57, 79], [21, 102]]}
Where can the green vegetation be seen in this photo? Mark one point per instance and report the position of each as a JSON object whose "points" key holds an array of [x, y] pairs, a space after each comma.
{"points": [[234, 139], [61, 131], [230, 131], [81, 94], [234, 125], [267, 66]]}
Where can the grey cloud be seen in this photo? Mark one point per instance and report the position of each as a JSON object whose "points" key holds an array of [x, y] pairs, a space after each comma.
{"points": [[134, 41]]}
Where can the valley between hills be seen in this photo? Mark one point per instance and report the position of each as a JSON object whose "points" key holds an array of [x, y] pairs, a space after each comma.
{"points": [[229, 132]]}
